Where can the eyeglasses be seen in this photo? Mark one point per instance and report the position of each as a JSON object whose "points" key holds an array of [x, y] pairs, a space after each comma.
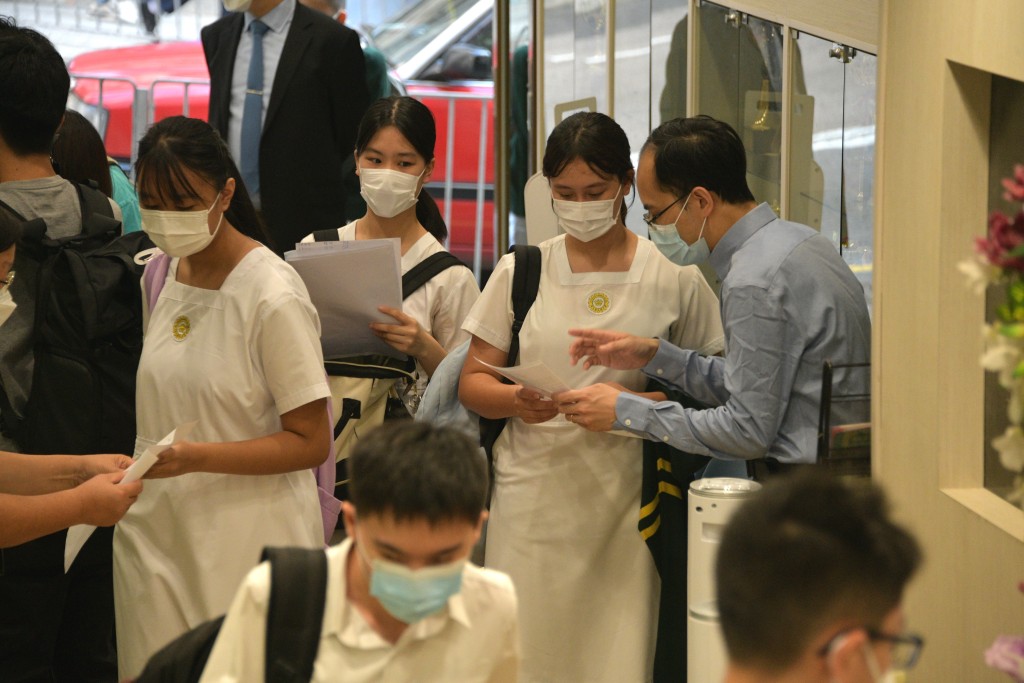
{"points": [[649, 219], [8, 280], [905, 647]]}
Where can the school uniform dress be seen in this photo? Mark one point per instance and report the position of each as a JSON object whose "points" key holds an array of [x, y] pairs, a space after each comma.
{"points": [[472, 639], [236, 359], [566, 501], [439, 306]]}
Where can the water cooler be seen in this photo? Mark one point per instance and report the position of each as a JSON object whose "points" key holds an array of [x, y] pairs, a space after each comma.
{"points": [[711, 503]]}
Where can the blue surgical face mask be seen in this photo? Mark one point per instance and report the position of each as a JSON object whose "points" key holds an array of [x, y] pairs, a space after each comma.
{"points": [[666, 238], [410, 595]]}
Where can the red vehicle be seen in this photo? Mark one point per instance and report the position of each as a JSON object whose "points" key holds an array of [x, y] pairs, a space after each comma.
{"points": [[440, 51]]}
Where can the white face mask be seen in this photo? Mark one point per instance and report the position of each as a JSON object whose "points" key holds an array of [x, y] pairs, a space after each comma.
{"points": [[237, 5], [586, 221], [388, 193], [180, 233], [7, 304], [875, 669]]}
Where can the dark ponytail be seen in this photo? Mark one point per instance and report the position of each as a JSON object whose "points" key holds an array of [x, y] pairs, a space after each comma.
{"points": [[177, 144], [416, 124]]}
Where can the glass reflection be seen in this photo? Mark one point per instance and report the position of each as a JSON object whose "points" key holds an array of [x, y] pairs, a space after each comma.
{"points": [[668, 60], [859, 99]]}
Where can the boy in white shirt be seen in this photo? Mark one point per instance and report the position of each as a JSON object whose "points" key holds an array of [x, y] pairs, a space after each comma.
{"points": [[403, 603]]}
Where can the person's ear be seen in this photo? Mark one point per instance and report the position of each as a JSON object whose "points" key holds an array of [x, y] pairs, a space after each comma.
{"points": [[845, 657], [348, 515], [627, 186], [355, 156], [484, 514], [227, 194], [428, 171], [704, 199]]}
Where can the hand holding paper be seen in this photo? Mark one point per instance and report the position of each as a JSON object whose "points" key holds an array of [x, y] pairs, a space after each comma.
{"points": [[536, 376], [80, 533]]}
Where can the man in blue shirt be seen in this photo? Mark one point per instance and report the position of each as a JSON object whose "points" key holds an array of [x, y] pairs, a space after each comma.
{"points": [[788, 300]]}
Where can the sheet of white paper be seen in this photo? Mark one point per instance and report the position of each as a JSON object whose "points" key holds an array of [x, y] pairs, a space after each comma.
{"points": [[80, 533], [536, 376], [347, 281]]}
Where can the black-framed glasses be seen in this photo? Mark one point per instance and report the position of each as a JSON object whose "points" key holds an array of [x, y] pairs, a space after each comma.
{"points": [[649, 219], [6, 282], [904, 648]]}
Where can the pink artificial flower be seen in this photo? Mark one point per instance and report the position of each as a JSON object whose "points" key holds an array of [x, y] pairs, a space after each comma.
{"points": [[1007, 655], [1003, 237], [1015, 185]]}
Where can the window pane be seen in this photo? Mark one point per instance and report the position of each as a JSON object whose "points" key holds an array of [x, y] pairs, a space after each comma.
{"points": [[817, 137], [859, 106], [668, 60]]}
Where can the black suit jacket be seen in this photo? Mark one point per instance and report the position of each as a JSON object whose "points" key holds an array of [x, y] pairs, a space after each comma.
{"points": [[318, 98]]}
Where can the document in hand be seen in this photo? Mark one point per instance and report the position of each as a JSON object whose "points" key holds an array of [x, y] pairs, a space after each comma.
{"points": [[347, 281], [536, 376], [80, 533]]}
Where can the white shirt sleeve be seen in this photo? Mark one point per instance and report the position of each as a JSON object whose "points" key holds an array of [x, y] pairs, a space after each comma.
{"points": [[238, 654], [288, 351], [491, 317], [457, 292]]}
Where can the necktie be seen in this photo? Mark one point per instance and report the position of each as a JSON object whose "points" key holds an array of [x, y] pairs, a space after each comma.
{"points": [[252, 113]]}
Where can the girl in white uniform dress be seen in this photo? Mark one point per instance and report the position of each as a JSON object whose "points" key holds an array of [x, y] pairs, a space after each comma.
{"points": [[233, 341], [394, 160], [566, 500]]}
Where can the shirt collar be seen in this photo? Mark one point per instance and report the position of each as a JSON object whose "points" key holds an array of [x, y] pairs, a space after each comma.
{"points": [[349, 626], [734, 237], [276, 19]]}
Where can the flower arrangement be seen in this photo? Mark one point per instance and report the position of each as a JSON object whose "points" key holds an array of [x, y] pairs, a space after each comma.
{"points": [[1007, 654], [999, 260]]}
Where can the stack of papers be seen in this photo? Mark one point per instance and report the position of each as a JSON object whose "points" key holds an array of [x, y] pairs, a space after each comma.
{"points": [[347, 281]]}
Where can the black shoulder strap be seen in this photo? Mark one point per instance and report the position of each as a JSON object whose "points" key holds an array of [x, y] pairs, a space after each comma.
{"points": [[298, 588], [525, 282], [329, 235], [97, 213], [425, 271]]}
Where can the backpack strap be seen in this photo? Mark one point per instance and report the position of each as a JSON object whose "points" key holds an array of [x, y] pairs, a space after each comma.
{"points": [[329, 235], [298, 589], [525, 283], [425, 271], [97, 213], [153, 279]]}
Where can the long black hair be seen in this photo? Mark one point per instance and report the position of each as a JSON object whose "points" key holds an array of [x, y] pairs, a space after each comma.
{"points": [[595, 139], [78, 153], [177, 144], [416, 124]]}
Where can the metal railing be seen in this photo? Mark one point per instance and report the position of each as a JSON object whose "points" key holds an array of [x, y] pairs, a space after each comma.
{"points": [[144, 114], [119, 21]]}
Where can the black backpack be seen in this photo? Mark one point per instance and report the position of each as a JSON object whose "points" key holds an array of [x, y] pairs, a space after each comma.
{"points": [[298, 590], [86, 335]]}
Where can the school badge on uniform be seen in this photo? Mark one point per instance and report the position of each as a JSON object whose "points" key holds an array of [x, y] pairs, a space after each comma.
{"points": [[599, 302], [181, 327]]}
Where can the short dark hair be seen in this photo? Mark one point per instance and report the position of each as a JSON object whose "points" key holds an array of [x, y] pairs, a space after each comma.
{"points": [[414, 470], [700, 152], [807, 551], [414, 121], [79, 153], [177, 144], [594, 138], [34, 84]]}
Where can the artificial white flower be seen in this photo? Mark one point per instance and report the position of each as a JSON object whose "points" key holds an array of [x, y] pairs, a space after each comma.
{"points": [[979, 274], [1002, 355], [1011, 449]]}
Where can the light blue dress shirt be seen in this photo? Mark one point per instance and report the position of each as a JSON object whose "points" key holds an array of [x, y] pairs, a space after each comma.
{"points": [[789, 302], [278, 20]]}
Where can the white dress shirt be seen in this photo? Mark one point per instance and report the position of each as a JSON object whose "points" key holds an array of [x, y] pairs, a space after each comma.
{"points": [[474, 639], [278, 20]]}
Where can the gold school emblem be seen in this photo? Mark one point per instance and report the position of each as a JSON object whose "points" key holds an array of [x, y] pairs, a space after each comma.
{"points": [[181, 327], [599, 303]]}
